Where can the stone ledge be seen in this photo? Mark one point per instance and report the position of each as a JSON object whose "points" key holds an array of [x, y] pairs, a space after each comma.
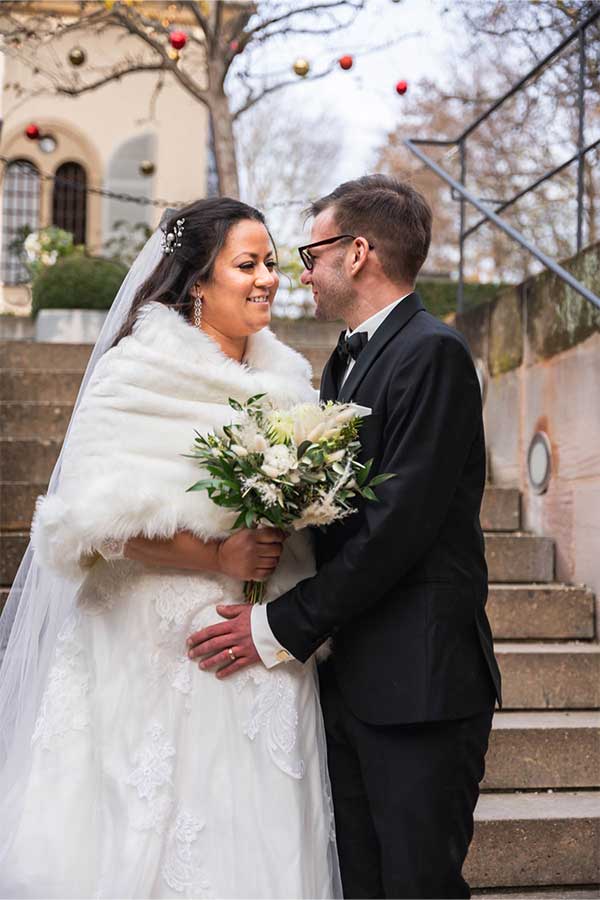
{"points": [[535, 839]]}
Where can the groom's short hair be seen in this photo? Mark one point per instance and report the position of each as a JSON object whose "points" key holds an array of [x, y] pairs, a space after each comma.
{"points": [[391, 214]]}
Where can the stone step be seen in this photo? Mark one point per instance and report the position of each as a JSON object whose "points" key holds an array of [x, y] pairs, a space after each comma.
{"points": [[31, 418], [34, 355], [12, 547], [549, 676], [541, 611], [543, 750], [17, 503], [28, 460], [39, 384], [535, 839], [501, 509], [519, 557]]}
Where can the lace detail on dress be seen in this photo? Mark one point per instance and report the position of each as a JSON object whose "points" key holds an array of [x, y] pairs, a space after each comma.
{"points": [[176, 602], [275, 712], [64, 705], [183, 869], [152, 778]]}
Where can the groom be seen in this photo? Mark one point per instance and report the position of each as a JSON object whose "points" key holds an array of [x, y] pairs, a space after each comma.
{"points": [[409, 690]]}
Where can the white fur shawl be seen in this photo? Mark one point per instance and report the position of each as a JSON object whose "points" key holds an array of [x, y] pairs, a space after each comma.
{"points": [[123, 472]]}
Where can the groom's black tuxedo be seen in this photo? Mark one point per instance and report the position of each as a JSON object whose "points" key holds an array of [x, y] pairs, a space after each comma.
{"points": [[401, 587]]}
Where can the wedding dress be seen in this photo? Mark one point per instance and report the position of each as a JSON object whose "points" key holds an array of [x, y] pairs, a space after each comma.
{"points": [[145, 776]]}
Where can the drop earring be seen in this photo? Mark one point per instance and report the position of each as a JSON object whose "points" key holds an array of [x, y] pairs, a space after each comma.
{"points": [[197, 310]]}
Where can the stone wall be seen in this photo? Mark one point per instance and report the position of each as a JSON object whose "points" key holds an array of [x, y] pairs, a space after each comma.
{"points": [[539, 345]]}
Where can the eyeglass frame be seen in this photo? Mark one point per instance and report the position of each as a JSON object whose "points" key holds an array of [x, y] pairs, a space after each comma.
{"points": [[308, 261]]}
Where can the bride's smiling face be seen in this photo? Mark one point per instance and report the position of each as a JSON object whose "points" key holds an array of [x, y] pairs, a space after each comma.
{"points": [[237, 300]]}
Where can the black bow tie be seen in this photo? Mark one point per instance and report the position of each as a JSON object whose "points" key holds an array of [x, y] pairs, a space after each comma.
{"points": [[349, 348]]}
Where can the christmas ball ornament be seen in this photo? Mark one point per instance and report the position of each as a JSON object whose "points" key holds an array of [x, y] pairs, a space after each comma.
{"points": [[301, 67], [346, 62], [147, 167], [401, 87], [32, 132], [178, 39], [77, 56], [173, 54], [234, 46]]}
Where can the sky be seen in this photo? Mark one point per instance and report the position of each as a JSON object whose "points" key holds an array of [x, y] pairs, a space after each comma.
{"points": [[364, 99]]}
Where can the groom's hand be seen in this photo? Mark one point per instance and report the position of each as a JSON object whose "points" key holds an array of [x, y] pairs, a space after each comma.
{"points": [[214, 643]]}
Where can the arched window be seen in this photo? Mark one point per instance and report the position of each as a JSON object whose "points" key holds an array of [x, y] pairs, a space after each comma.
{"points": [[20, 209], [69, 201]]}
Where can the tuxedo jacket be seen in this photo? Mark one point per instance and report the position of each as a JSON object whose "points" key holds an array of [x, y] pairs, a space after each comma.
{"points": [[401, 584]]}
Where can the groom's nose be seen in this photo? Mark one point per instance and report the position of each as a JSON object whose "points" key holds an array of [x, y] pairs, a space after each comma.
{"points": [[306, 277]]}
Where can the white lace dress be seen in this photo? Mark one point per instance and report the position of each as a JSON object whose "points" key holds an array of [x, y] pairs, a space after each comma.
{"points": [[151, 778]]}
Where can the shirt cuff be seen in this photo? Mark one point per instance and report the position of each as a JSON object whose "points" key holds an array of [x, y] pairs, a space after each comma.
{"points": [[267, 646]]}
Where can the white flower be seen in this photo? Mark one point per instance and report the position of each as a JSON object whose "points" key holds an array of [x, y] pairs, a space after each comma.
{"points": [[48, 259], [305, 417], [335, 457], [282, 425], [250, 437], [278, 460], [238, 450], [321, 512]]}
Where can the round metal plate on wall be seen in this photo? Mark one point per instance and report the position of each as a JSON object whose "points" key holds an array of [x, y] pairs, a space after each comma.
{"points": [[47, 143], [539, 462]]}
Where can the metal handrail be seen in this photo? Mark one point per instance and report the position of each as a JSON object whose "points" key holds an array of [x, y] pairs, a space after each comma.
{"points": [[508, 229], [492, 216]]}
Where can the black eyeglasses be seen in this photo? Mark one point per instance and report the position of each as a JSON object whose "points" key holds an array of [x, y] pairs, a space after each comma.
{"points": [[308, 259]]}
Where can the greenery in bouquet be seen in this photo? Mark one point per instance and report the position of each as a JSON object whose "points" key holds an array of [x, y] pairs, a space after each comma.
{"points": [[288, 469]]}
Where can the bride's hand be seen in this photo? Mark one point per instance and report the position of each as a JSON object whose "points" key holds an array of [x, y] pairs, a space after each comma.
{"points": [[252, 553]]}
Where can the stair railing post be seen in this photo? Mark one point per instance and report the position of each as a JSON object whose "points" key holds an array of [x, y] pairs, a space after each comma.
{"points": [[580, 139], [460, 297]]}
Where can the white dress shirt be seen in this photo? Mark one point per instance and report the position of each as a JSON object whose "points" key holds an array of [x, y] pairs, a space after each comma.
{"points": [[268, 647]]}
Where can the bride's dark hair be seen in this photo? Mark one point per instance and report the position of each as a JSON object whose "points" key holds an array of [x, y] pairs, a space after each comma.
{"points": [[207, 224]]}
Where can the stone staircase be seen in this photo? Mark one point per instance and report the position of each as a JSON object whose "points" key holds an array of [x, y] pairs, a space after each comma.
{"points": [[538, 819]]}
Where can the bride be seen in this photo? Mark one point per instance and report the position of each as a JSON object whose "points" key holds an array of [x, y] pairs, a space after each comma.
{"points": [[128, 771]]}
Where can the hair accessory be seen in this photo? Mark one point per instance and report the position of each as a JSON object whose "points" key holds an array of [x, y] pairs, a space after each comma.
{"points": [[170, 240]]}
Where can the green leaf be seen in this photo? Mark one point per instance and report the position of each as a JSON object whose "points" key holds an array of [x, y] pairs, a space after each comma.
{"points": [[368, 494], [249, 518], [379, 479], [363, 474], [200, 486], [235, 405], [255, 399], [239, 522]]}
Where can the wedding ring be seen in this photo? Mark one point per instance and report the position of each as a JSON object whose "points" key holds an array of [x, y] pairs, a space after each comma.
{"points": [[232, 655]]}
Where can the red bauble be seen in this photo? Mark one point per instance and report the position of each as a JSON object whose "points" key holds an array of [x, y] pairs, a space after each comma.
{"points": [[33, 132], [346, 62], [402, 87], [178, 40], [234, 46]]}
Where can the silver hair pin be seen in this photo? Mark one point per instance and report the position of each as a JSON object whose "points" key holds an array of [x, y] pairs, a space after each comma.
{"points": [[170, 240]]}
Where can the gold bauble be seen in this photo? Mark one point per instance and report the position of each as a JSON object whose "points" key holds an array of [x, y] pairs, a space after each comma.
{"points": [[147, 167], [173, 54], [77, 56], [301, 67]]}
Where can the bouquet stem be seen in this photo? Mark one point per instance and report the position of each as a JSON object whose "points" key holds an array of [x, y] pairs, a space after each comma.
{"points": [[254, 591]]}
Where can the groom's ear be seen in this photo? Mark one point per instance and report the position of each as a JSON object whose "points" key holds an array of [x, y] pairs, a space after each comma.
{"points": [[360, 253]]}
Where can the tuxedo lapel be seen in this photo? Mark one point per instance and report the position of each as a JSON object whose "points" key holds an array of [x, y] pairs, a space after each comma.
{"points": [[330, 378], [396, 320]]}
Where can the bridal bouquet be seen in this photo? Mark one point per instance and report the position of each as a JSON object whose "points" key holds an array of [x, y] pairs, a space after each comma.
{"points": [[288, 469]]}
